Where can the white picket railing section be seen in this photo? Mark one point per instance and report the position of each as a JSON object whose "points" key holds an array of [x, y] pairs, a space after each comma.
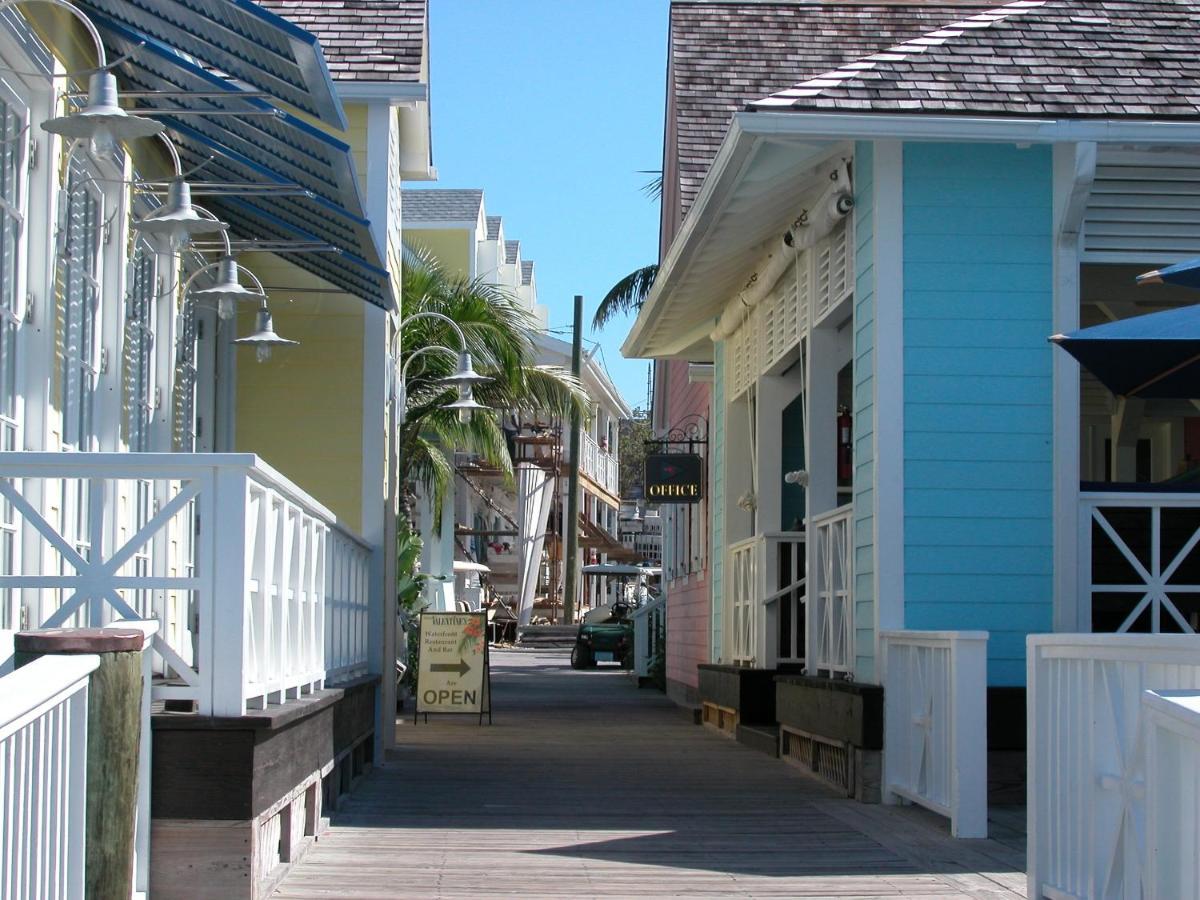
{"points": [[599, 465], [831, 627], [742, 575], [783, 596], [1147, 539], [1172, 731], [260, 595], [1087, 772], [43, 778], [935, 716], [649, 634]]}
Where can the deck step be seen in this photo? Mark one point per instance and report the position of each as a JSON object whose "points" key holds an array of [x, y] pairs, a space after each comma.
{"points": [[764, 738]]}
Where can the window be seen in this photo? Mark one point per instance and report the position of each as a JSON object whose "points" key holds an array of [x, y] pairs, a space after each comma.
{"points": [[12, 223], [79, 304], [138, 351]]}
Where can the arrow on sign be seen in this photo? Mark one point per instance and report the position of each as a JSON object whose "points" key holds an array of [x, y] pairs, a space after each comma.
{"points": [[460, 667]]}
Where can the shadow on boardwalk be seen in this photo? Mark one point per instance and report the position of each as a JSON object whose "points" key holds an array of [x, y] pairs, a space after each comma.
{"points": [[585, 786]]}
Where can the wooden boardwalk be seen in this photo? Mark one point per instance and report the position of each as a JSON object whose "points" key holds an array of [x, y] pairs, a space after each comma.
{"points": [[587, 787]]}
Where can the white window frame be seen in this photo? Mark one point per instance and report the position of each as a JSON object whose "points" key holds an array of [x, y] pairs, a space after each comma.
{"points": [[13, 310]]}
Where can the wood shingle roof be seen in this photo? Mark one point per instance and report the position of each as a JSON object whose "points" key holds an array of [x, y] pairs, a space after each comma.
{"points": [[363, 40]]}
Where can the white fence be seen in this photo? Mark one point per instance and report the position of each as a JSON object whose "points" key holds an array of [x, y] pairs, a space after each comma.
{"points": [[599, 465], [1132, 547], [260, 595], [43, 778], [1087, 771], [784, 598], [649, 634], [1172, 720], [935, 716], [832, 607]]}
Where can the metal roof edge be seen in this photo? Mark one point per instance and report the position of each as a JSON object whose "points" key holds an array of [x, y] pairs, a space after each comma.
{"points": [[349, 90]]}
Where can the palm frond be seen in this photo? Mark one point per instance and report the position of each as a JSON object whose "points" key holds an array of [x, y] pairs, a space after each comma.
{"points": [[627, 295]]}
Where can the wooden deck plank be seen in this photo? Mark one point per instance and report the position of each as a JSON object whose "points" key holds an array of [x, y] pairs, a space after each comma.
{"points": [[588, 787]]}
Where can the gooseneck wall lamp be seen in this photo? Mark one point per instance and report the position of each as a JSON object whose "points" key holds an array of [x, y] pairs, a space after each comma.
{"points": [[101, 121], [177, 219], [464, 378]]}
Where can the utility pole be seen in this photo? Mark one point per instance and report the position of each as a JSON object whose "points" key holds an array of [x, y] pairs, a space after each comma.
{"points": [[570, 582]]}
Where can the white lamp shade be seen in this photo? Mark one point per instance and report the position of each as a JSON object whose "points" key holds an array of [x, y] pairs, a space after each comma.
{"points": [[102, 116]]}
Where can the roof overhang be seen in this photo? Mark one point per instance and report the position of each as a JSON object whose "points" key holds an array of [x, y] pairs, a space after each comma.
{"points": [[761, 177]]}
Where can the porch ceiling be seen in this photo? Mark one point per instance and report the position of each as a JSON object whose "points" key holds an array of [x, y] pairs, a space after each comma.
{"points": [[755, 190]]}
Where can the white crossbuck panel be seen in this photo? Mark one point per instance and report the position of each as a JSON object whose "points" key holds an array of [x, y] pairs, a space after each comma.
{"points": [[1087, 766], [743, 602], [831, 629]]}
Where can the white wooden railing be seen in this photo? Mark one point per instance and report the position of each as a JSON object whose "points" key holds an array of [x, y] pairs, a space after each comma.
{"points": [[784, 599], [649, 634], [43, 777], [1087, 772], [1172, 729], [935, 716], [743, 593], [260, 595], [1133, 548], [599, 465], [766, 598], [831, 623]]}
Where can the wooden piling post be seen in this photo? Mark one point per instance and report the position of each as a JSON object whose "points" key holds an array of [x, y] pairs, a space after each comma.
{"points": [[113, 739]]}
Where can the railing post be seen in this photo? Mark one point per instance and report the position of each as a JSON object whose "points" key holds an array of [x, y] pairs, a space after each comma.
{"points": [[968, 737], [114, 738], [223, 635]]}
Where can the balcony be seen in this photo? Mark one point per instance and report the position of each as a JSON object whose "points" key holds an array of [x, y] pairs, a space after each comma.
{"points": [[260, 595], [600, 466]]}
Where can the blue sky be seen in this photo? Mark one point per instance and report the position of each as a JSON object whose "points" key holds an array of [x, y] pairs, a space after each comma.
{"points": [[552, 108]]}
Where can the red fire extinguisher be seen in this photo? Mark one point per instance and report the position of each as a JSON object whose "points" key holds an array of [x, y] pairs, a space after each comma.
{"points": [[845, 463]]}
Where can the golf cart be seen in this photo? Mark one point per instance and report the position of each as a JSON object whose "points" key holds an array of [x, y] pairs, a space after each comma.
{"points": [[606, 632], [605, 635]]}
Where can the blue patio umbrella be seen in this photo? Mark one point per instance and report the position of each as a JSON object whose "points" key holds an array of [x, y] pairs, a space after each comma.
{"points": [[1155, 356]]}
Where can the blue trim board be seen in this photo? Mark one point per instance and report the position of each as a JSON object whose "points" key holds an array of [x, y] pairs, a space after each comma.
{"points": [[978, 428], [864, 412]]}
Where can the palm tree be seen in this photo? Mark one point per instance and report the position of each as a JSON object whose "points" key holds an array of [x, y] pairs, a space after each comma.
{"points": [[628, 294], [498, 333]]}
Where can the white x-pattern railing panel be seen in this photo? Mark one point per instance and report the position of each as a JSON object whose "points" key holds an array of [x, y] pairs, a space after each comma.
{"points": [[649, 634], [43, 778], [935, 716], [831, 611], [1155, 541], [743, 593], [1087, 772], [1172, 723], [231, 558]]}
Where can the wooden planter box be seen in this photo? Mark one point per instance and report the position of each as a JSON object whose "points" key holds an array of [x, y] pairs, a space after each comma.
{"points": [[740, 703], [833, 729]]}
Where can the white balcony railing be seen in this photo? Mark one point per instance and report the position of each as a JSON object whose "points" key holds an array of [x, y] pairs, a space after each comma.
{"points": [[1172, 731], [832, 608], [43, 759], [260, 595], [935, 714], [1138, 556], [649, 634], [1087, 769], [599, 465]]}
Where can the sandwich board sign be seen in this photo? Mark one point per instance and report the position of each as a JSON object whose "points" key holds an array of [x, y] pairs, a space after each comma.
{"points": [[453, 673]]}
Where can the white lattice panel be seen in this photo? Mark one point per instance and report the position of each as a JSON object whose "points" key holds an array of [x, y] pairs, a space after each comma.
{"points": [[833, 264], [785, 313]]}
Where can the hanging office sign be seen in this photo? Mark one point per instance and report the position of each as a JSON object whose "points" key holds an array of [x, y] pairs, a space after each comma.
{"points": [[674, 478], [453, 674]]}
